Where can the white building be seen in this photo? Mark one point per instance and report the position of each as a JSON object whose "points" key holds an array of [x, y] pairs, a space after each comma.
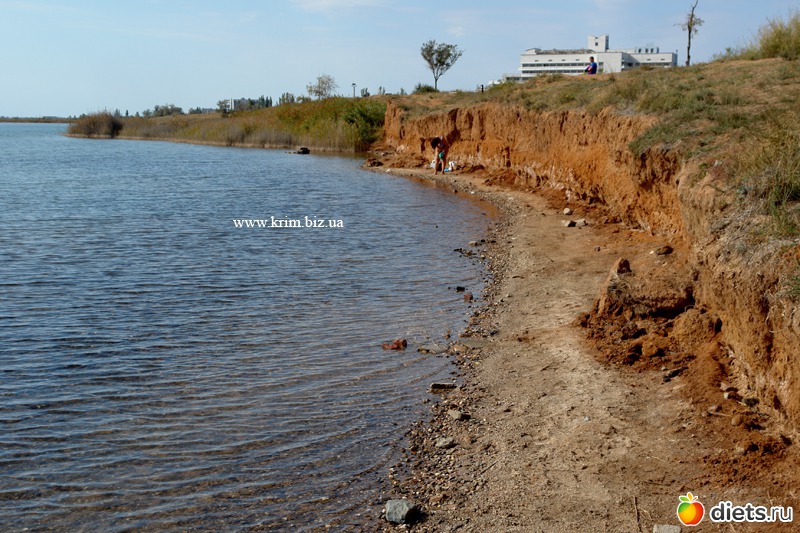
{"points": [[536, 61]]}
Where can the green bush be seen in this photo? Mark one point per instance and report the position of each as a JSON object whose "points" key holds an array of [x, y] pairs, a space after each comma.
{"points": [[422, 88], [102, 124], [367, 118]]}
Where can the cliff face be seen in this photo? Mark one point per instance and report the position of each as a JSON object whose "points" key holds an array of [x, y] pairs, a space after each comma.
{"points": [[587, 157], [717, 307]]}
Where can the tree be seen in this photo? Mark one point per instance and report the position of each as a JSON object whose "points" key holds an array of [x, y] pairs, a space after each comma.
{"points": [[691, 26], [166, 110], [286, 98], [439, 57], [224, 106], [323, 88], [264, 101]]}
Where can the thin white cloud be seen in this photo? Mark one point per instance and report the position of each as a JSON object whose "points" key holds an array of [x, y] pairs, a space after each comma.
{"points": [[329, 5], [42, 8], [612, 4], [456, 31]]}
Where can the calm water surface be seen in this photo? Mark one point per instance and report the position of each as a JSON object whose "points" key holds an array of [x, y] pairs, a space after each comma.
{"points": [[162, 369]]}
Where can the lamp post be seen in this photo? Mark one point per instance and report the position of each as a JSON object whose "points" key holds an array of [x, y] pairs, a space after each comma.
{"points": [[354, 90]]}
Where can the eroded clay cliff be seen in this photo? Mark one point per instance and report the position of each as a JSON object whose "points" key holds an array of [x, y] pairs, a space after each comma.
{"points": [[718, 310]]}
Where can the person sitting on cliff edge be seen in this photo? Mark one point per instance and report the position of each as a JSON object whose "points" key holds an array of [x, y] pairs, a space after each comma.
{"points": [[441, 147]]}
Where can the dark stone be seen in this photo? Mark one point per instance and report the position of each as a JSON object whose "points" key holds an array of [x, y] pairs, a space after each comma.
{"points": [[622, 266], [664, 250], [401, 512], [675, 372]]}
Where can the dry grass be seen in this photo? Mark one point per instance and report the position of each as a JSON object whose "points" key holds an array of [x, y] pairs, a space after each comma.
{"points": [[332, 124], [777, 38]]}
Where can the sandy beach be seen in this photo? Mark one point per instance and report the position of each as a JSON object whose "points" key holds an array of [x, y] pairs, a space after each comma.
{"points": [[543, 435]]}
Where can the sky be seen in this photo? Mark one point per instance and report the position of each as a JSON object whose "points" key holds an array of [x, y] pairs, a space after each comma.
{"points": [[65, 58]]}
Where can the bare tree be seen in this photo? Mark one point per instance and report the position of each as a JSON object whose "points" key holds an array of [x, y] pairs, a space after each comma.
{"points": [[323, 88], [439, 57], [691, 27]]}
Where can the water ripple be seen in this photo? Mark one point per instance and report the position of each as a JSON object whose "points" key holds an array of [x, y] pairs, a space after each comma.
{"points": [[161, 369]]}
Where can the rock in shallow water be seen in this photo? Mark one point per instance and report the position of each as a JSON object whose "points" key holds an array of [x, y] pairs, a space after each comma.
{"points": [[432, 348]]}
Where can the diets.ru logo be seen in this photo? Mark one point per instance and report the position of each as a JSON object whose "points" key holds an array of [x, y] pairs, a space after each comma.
{"points": [[690, 511]]}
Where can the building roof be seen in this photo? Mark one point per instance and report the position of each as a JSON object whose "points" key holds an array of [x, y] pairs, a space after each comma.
{"points": [[557, 51]]}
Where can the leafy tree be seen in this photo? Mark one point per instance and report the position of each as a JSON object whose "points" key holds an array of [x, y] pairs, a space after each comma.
{"points": [[166, 110], [286, 98], [323, 88], [243, 104], [224, 107], [439, 57], [691, 26]]}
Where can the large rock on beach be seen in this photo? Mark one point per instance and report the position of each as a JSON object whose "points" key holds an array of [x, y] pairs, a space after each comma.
{"points": [[401, 511]]}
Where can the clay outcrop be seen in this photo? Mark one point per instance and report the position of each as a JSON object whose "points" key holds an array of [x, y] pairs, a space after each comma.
{"points": [[716, 300]]}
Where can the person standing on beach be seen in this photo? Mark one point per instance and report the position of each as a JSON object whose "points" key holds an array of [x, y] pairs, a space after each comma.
{"points": [[592, 68], [441, 147]]}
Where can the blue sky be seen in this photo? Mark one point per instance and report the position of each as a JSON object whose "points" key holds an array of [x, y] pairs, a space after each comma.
{"points": [[70, 57]]}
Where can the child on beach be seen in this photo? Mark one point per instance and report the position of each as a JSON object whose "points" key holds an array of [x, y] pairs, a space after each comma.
{"points": [[441, 147]]}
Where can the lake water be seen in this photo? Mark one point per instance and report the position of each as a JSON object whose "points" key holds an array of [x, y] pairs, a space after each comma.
{"points": [[163, 369]]}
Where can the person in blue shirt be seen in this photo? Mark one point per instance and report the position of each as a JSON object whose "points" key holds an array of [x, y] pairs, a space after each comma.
{"points": [[592, 68]]}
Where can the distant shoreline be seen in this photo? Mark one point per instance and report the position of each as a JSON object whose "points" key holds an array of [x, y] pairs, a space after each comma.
{"points": [[43, 120]]}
